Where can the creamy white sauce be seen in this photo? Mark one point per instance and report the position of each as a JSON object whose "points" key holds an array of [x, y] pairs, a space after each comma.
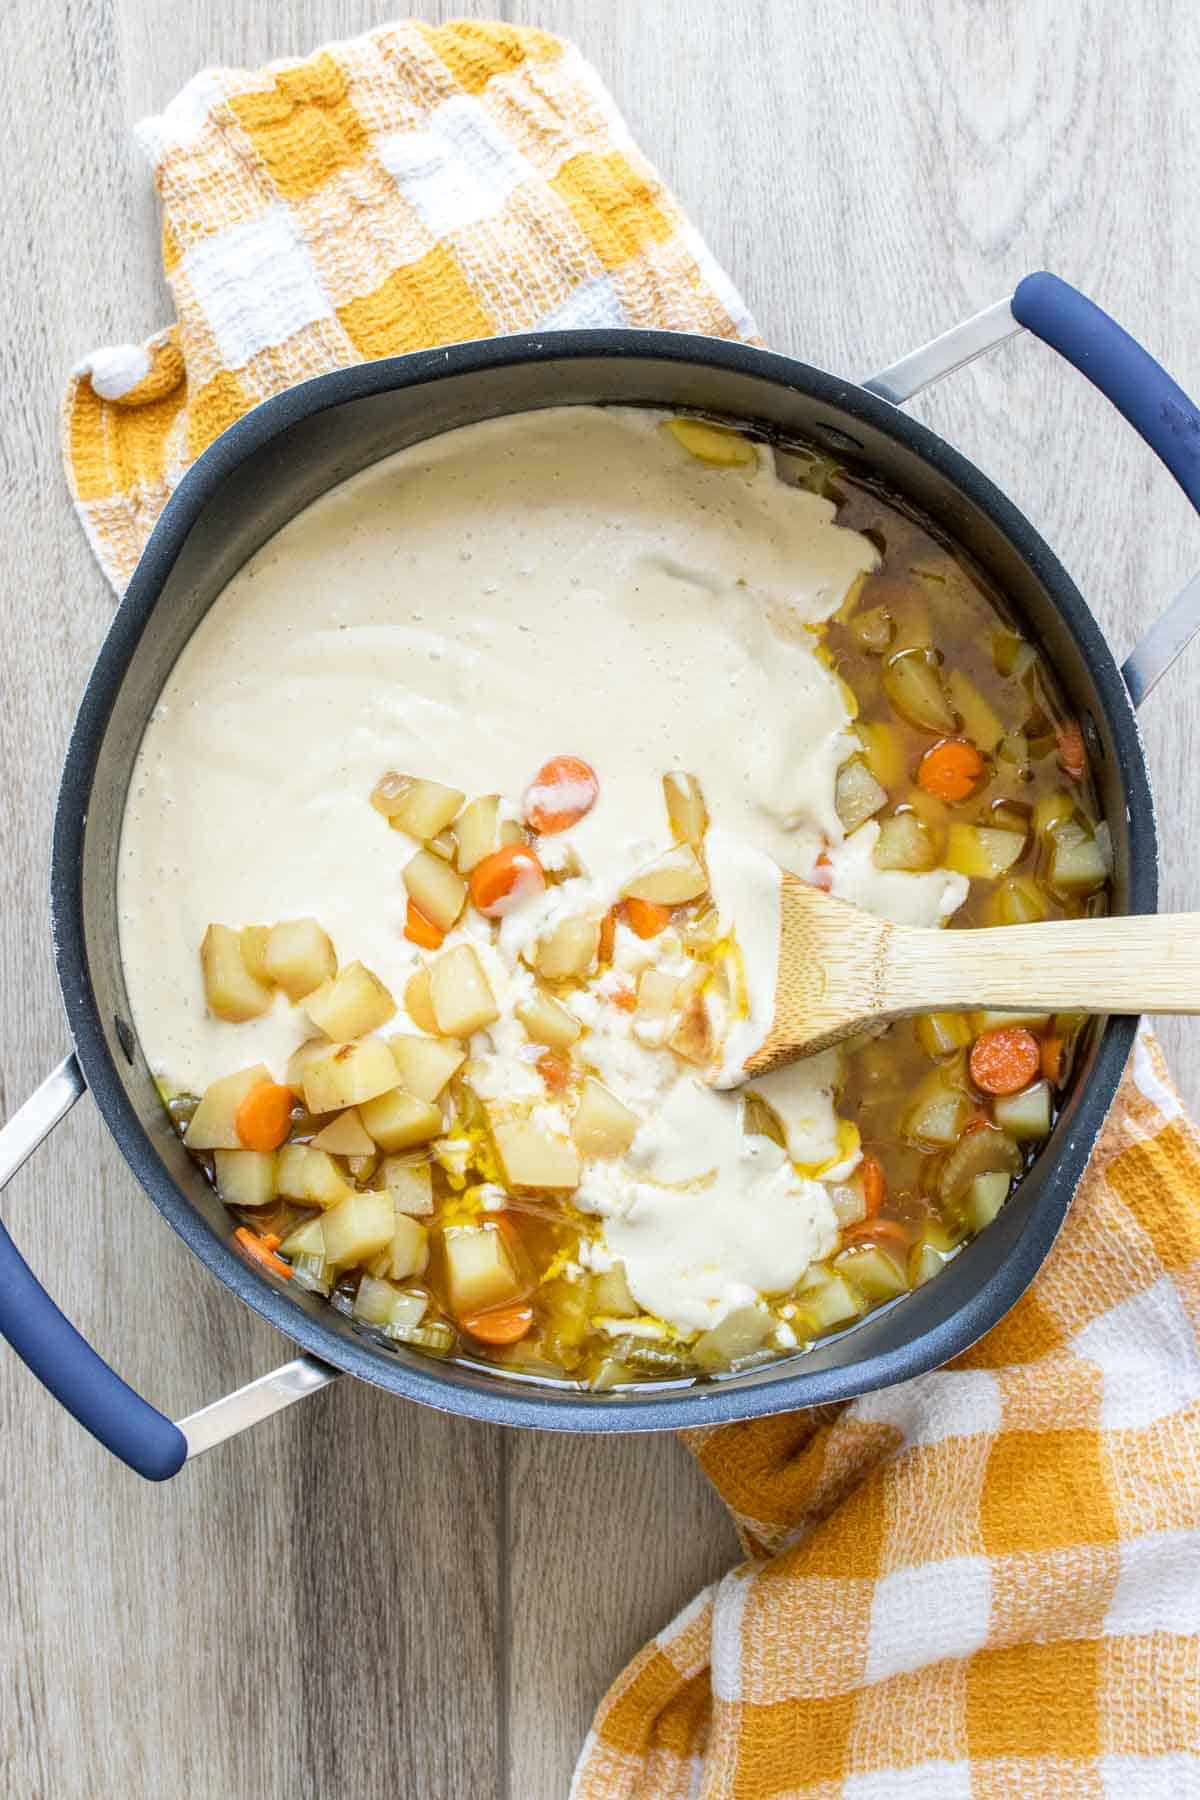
{"points": [[563, 581]]}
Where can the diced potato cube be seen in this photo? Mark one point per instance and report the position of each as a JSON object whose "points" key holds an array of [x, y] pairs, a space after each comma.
{"points": [[358, 1228], [991, 1019], [352, 1004], [289, 1174], [979, 722], [716, 444], [873, 1271], [363, 1167], [832, 1303], [408, 1254], [941, 1033], [1016, 901], [422, 808], [532, 1157], [912, 681], [1024, 1116], [345, 1136], [324, 1183], [549, 1022], [230, 989], [417, 1002], [308, 1239], [672, 879], [348, 1074], [246, 1177], [310, 1176], [980, 852], [253, 940], [312, 1050], [425, 1065], [569, 950], [739, 1334], [610, 1295], [904, 843], [656, 994], [857, 794], [686, 809], [409, 1184], [602, 1125], [460, 993], [397, 1120], [984, 1198], [299, 957], [1077, 864], [480, 830], [435, 888], [214, 1123], [373, 1301], [1052, 812], [883, 748], [480, 1271], [693, 1037]]}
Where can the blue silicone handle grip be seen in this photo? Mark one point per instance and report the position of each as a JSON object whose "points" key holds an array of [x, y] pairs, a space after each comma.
{"points": [[52, 1348], [1139, 388]]}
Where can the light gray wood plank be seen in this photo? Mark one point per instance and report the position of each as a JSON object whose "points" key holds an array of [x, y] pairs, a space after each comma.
{"points": [[317, 1607]]}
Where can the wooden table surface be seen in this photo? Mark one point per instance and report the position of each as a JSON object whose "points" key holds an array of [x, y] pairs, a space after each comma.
{"points": [[363, 1596]]}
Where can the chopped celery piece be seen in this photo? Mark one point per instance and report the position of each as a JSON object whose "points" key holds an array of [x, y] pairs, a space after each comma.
{"points": [[1013, 751], [940, 1034], [985, 1196], [312, 1272], [980, 852], [857, 796], [982, 1153], [1025, 1116], [1011, 654], [989, 1021], [611, 1373], [873, 1271], [437, 1339]]}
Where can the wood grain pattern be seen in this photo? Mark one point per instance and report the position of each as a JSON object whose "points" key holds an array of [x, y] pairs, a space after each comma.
{"points": [[365, 1596], [841, 970]]}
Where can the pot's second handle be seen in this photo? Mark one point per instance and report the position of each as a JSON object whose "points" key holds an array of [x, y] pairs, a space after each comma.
{"points": [[47, 1342], [1139, 388]]}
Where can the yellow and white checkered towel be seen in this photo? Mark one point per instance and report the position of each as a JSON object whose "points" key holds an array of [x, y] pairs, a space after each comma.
{"points": [[985, 1583]]}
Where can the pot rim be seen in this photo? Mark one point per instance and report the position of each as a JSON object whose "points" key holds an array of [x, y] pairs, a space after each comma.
{"points": [[505, 1399]]}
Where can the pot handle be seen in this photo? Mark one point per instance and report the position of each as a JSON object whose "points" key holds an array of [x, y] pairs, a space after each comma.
{"points": [[49, 1345], [1140, 389]]}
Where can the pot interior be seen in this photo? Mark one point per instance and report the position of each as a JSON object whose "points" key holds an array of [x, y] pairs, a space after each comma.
{"points": [[287, 453]]}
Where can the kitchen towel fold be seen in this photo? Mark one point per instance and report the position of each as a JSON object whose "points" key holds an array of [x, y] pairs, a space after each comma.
{"points": [[985, 1583], [414, 187]]}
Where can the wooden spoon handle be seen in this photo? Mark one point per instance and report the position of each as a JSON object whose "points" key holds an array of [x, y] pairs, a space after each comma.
{"points": [[1129, 965]]}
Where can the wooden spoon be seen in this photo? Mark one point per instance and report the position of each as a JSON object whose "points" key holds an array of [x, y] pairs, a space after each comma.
{"points": [[841, 970]]}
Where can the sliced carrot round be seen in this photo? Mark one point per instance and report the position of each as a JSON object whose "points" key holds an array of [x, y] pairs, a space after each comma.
{"points": [[561, 792], [263, 1118], [647, 917], [822, 875], [608, 933], [506, 878], [952, 770], [420, 930], [887, 1233], [506, 1325], [874, 1185], [1005, 1060], [624, 999]]}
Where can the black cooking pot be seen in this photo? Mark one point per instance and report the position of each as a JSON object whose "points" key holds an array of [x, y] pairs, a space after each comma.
{"points": [[278, 459]]}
